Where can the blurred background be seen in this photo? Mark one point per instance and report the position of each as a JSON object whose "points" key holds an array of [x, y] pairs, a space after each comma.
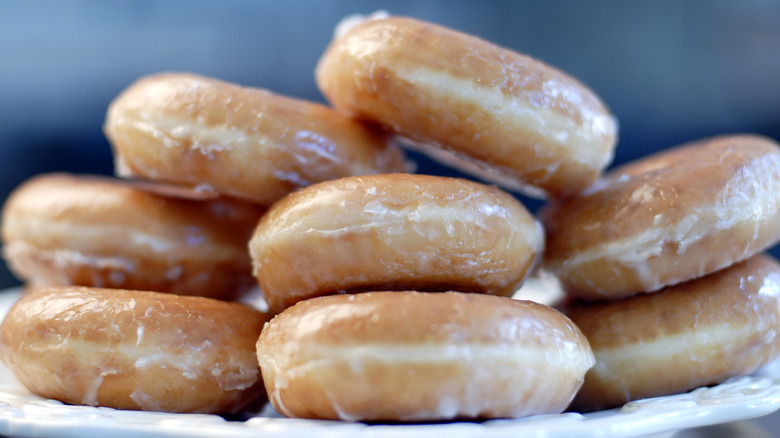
{"points": [[671, 71]]}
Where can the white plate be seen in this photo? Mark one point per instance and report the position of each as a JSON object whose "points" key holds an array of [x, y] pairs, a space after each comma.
{"points": [[25, 415]]}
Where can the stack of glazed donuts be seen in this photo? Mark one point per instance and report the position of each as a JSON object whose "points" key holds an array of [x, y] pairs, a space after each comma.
{"points": [[389, 294], [129, 280], [665, 257]]}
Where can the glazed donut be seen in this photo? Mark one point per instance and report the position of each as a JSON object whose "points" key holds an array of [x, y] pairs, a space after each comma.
{"points": [[667, 218], [61, 229], [693, 334], [411, 356], [393, 232], [504, 116], [248, 143], [134, 350]]}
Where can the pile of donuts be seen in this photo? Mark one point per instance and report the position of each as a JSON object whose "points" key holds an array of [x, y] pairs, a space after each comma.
{"points": [[388, 294]]}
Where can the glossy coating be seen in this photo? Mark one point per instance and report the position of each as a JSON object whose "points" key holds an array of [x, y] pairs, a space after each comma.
{"points": [[505, 115], [667, 218], [393, 232], [694, 334], [244, 142], [411, 356], [61, 229], [134, 350]]}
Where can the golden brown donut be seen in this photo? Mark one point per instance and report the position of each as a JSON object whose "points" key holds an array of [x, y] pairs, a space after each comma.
{"points": [[134, 350], [244, 142], [667, 218], [393, 232], [61, 229], [411, 356], [694, 334], [505, 116]]}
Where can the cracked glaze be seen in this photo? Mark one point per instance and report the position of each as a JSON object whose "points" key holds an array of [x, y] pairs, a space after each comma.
{"points": [[412, 356], [496, 110], [698, 333], [390, 232], [61, 229], [667, 218], [134, 350], [736, 399], [244, 142]]}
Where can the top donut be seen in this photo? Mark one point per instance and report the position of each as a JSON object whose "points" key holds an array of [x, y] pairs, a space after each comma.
{"points": [[504, 116]]}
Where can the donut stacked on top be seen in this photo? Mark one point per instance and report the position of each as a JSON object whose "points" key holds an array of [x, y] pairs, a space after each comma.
{"points": [[664, 256], [248, 143], [487, 110]]}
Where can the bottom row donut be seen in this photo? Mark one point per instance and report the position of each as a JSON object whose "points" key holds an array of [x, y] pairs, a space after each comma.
{"points": [[412, 356], [391, 356], [134, 350], [694, 334]]}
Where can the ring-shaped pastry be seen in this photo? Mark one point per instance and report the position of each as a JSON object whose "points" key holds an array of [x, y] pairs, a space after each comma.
{"points": [[61, 229], [134, 350], [501, 115], [245, 142], [694, 334], [412, 356], [667, 218], [394, 232]]}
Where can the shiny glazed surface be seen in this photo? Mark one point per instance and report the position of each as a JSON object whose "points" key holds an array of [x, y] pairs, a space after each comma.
{"points": [[134, 350], [61, 229], [734, 400], [393, 232], [693, 334], [411, 356], [503, 113], [667, 218], [244, 142]]}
